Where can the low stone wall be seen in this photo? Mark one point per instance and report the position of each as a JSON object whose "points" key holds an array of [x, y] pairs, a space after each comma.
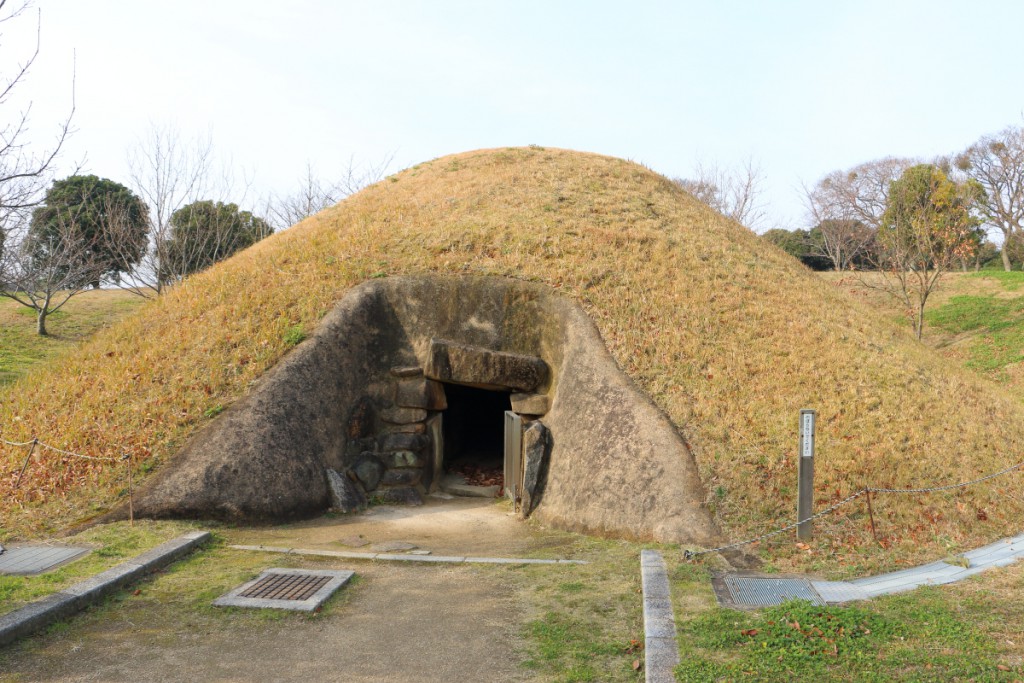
{"points": [[358, 398]]}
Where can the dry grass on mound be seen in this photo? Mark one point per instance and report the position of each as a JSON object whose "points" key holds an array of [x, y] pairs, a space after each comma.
{"points": [[730, 336]]}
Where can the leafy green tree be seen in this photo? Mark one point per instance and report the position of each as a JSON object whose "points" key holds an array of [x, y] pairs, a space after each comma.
{"points": [[801, 244], [205, 232], [107, 221], [930, 224]]}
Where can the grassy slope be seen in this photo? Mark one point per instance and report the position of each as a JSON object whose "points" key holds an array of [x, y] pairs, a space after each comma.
{"points": [[976, 319], [729, 336]]}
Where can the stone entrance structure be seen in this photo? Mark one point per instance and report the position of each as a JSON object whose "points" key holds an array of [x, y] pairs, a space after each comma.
{"points": [[357, 412], [438, 417]]}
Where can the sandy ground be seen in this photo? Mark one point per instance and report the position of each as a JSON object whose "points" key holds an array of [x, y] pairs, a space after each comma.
{"points": [[401, 622], [460, 526]]}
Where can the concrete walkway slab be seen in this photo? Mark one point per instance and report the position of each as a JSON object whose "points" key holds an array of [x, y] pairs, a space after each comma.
{"points": [[401, 557], [41, 613], [998, 554], [661, 653]]}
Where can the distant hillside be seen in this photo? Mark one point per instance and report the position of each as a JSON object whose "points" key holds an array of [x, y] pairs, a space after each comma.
{"points": [[21, 348], [730, 336]]}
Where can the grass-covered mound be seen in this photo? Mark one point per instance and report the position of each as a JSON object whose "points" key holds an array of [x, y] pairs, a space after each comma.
{"points": [[730, 336]]}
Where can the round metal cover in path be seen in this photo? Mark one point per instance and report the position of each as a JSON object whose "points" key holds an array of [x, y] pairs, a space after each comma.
{"points": [[295, 589]]}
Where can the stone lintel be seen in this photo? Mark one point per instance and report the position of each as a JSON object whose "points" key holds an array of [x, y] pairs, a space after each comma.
{"points": [[476, 366]]}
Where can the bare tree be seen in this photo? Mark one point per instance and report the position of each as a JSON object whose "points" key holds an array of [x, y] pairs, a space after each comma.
{"points": [[43, 271], [848, 207], [315, 195], [735, 193], [24, 170], [996, 162], [168, 173], [844, 242]]}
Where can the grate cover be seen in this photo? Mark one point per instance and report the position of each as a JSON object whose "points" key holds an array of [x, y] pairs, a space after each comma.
{"points": [[24, 560], [749, 591], [295, 589], [285, 587]]}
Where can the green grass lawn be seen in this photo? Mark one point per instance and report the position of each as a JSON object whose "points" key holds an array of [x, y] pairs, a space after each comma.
{"points": [[989, 324], [970, 631]]}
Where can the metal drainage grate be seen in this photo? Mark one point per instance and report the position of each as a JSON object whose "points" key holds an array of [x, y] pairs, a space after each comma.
{"points": [[24, 560], [750, 591], [285, 587], [295, 589]]}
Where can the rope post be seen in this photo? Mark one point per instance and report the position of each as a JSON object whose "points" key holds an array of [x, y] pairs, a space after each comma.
{"points": [[28, 457], [871, 516], [805, 477], [131, 503]]}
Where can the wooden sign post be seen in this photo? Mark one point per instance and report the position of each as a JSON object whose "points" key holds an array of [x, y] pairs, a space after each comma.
{"points": [[805, 475]]}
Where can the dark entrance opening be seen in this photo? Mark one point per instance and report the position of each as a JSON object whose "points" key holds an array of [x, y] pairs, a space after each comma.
{"points": [[474, 434]]}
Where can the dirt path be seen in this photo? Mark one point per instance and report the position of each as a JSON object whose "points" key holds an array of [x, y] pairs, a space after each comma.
{"points": [[399, 622], [404, 624]]}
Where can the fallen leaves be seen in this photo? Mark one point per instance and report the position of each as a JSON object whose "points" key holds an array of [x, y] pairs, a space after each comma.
{"points": [[482, 476]]}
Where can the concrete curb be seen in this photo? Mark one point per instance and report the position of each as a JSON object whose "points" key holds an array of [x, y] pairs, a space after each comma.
{"points": [[397, 557], [43, 612], [661, 653]]}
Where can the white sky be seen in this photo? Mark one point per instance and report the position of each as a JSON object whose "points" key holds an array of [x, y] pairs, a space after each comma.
{"points": [[803, 87]]}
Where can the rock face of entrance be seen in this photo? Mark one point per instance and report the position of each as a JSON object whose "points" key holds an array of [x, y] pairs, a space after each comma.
{"points": [[361, 397]]}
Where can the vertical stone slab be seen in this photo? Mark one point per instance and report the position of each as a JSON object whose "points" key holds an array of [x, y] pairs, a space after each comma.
{"points": [[536, 446], [436, 434], [345, 495], [513, 455]]}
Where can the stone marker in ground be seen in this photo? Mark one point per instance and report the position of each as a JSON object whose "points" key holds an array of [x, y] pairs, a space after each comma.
{"points": [[392, 546], [354, 541]]}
